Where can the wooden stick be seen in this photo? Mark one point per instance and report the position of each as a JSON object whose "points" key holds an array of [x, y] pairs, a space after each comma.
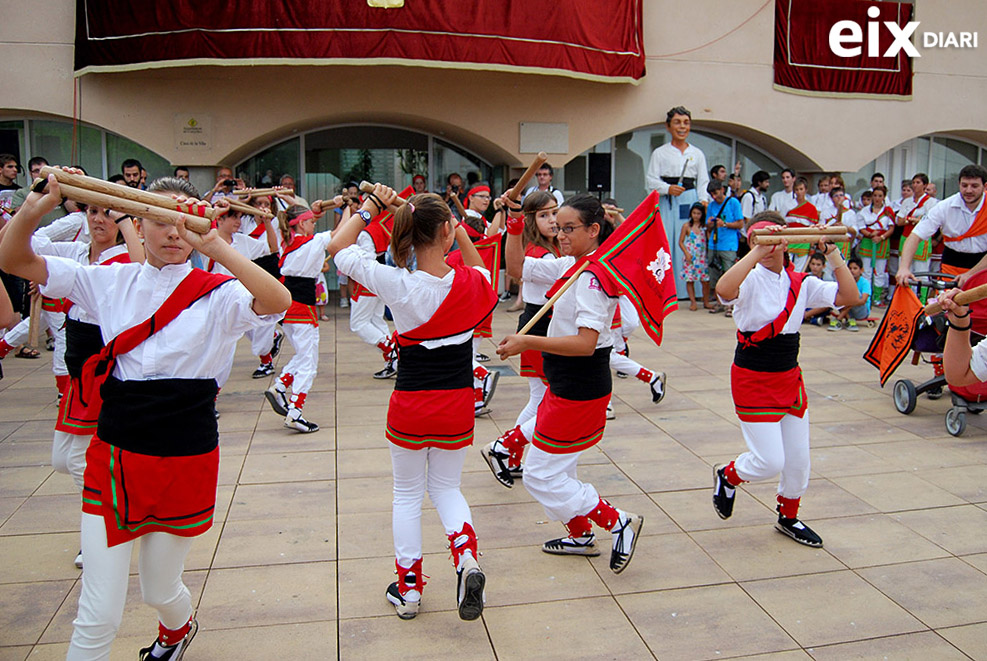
{"points": [[249, 210], [548, 305], [613, 209], [515, 193], [78, 181], [963, 298], [34, 330], [801, 238], [252, 192], [137, 209], [367, 187], [801, 231], [459, 206]]}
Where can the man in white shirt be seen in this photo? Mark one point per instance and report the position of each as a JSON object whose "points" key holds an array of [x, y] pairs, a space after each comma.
{"points": [[784, 200], [544, 177], [677, 170], [752, 201], [962, 219]]}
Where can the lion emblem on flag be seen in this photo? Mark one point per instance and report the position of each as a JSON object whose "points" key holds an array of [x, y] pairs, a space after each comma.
{"points": [[661, 265]]}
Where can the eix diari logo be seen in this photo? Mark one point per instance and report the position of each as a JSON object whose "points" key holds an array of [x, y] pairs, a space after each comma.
{"points": [[846, 38]]}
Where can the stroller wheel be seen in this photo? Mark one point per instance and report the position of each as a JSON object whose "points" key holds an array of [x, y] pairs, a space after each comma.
{"points": [[904, 396], [956, 421]]}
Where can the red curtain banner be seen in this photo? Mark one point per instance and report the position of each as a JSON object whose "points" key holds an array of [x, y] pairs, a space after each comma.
{"points": [[804, 62], [578, 38]]}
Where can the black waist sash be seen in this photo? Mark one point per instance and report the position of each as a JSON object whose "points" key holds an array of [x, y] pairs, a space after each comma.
{"points": [[302, 289], [530, 310], [82, 341], [688, 183], [269, 263], [161, 417], [579, 378], [962, 260], [777, 354], [442, 368]]}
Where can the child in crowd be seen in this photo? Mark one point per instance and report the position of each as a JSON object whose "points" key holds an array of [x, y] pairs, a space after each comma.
{"points": [[848, 316], [817, 268], [692, 241]]}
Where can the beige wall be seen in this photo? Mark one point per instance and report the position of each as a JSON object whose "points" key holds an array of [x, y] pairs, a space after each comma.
{"points": [[726, 84]]}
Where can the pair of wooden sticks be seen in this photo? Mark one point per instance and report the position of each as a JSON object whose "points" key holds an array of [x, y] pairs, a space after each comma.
{"points": [[138, 203]]}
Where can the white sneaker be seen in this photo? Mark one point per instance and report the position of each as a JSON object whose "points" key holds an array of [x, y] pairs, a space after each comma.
{"points": [[78, 560], [294, 420], [610, 413], [407, 605], [469, 588], [278, 399], [657, 385]]}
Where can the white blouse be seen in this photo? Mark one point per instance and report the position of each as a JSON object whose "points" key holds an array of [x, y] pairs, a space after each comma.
{"points": [[583, 305], [667, 161], [763, 295], [198, 344]]}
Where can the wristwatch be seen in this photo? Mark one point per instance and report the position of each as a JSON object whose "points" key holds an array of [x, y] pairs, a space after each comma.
{"points": [[365, 215]]}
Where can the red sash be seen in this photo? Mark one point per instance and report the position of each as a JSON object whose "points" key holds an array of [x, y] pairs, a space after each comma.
{"points": [[469, 301], [977, 228], [297, 242], [910, 226], [535, 250], [804, 215], [380, 232], [258, 231], [775, 327], [98, 368]]}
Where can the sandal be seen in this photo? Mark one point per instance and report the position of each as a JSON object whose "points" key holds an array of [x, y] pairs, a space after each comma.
{"points": [[27, 351], [728, 313], [715, 309]]}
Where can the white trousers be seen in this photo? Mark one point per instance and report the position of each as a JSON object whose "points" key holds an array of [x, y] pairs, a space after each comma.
{"points": [[262, 339], [68, 455], [622, 363], [876, 269], [551, 480], [304, 365], [104, 586], [536, 393], [367, 319], [438, 471], [773, 448]]}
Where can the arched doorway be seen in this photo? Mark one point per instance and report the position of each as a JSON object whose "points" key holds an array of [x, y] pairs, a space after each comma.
{"points": [[323, 159]]}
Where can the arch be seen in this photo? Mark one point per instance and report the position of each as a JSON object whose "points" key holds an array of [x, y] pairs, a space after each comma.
{"points": [[477, 144]]}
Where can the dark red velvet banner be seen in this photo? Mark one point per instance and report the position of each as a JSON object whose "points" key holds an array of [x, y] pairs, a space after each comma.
{"points": [[579, 38], [805, 61]]}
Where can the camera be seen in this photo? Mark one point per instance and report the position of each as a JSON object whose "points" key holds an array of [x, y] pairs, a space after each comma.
{"points": [[229, 182]]}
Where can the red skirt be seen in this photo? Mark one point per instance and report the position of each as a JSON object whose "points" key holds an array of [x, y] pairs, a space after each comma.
{"points": [[74, 417], [138, 493], [533, 365], [299, 313], [564, 426], [485, 329], [431, 419], [767, 396]]}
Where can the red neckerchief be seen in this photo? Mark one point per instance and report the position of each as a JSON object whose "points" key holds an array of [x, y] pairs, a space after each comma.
{"points": [[468, 303], [380, 232], [98, 368], [754, 338], [297, 242], [256, 232]]}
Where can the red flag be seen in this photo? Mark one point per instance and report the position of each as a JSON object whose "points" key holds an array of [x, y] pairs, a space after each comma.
{"points": [[894, 336], [489, 249], [635, 262]]}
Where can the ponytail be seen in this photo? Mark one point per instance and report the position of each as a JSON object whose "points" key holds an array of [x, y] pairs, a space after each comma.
{"points": [[417, 224]]}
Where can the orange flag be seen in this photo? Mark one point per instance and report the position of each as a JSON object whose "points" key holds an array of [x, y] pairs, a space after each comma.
{"points": [[894, 336]]}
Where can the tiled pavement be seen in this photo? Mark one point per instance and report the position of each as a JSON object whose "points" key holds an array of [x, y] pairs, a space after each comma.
{"points": [[297, 563]]}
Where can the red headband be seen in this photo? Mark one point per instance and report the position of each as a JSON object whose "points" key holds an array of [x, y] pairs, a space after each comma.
{"points": [[305, 216], [473, 191], [417, 177], [760, 225]]}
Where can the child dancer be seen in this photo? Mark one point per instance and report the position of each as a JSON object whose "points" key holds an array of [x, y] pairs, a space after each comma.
{"points": [[535, 231], [803, 215], [149, 370], [692, 241], [301, 261], [430, 416], [572, 415], [765, 378], [265, 342]]}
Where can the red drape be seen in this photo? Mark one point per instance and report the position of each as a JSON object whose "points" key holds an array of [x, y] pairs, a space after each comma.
{"points": [[581, 38], [805, 63]]}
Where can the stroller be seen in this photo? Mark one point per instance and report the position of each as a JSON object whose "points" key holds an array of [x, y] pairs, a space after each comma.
{"points": [[930, 338]]}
